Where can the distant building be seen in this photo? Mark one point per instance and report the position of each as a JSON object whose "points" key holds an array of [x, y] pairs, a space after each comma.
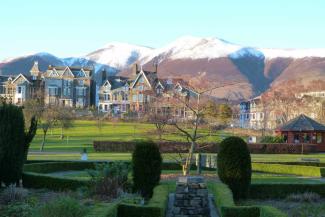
{"points": [[18, 89], [57, 86], [114, 95], [69, 86], [303, 129], [251, 114], [318, 94]]}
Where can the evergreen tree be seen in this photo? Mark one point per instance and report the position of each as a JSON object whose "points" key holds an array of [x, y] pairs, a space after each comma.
{"points": [[14, 142]]}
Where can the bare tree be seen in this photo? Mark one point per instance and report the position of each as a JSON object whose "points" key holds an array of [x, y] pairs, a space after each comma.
{"points": [[197, 107], [48, 120], [64, 119]]}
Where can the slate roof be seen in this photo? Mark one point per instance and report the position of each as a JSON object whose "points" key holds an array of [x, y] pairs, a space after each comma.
{"points": [[302, 123], [117, 81]]}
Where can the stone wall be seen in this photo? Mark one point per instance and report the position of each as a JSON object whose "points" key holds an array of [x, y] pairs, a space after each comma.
{"points": [[191, 198]]}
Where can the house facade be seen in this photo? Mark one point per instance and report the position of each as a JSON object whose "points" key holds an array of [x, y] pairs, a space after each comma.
{"points": [[57, 86], [18, 89], [252, 114], [114, 95], [68, 87]]}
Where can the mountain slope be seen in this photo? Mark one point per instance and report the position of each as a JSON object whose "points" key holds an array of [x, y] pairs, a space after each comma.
{"points": [[205, 62]]}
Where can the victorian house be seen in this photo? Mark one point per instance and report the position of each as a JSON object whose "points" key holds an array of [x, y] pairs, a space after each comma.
{"points": [[22, 87], [57, 86], [69, 86], [114, 95]]}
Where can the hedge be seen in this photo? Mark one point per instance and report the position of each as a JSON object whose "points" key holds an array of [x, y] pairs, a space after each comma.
{"points": [[156, 206], [50, 167], [227, 208], [268, 211], [38, 180], [310, 171], [104, 210], [278, 190], [240, 211]]}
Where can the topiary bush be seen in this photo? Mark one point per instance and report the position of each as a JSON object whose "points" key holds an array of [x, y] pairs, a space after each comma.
{"points": [[146, 166], [234, 166], [14, 142]]}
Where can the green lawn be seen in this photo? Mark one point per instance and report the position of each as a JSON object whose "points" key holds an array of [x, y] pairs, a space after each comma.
{"points": [[84, 132]]}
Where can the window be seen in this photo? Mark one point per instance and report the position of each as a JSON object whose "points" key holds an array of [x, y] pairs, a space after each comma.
{"points": [[134, 98], [81, 82], [106, 97], [106, 108], [140, 88], [306, 138], [319, 138], [296, 138], [53, 91], [19, 90], [140, 108], [140, 97]]}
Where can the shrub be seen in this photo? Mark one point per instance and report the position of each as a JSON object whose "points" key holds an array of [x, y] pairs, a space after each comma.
{"points": [[64, 206], [108, 180], [13, 194], [234, 166], [146, 163], [17, 209], [14, 142], [272, 139]]}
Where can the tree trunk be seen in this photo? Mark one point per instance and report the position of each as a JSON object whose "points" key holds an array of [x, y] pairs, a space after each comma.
{"points": [[43, 142], [187, 167], [61, 133]]}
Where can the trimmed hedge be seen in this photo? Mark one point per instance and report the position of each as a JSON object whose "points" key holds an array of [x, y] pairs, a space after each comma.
{"points": [[156, 206], [50, 167], [37, 180], [227, 208], [35, 175], [104, 210], [277, 190], [268, 211], [289, 169], [240, 211]]}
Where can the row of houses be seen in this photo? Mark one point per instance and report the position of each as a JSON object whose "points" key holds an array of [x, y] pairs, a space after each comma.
{"points": [[76, 87], [259, 113]]}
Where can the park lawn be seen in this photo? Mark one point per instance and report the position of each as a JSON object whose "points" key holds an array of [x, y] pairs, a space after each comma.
{"points": [[84, 132]]}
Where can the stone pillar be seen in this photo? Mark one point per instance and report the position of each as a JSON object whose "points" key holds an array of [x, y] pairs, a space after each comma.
{"points": [[191, 197]]}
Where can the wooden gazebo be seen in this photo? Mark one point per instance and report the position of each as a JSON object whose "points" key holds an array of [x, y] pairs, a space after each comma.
{"points": [[303, 129]]}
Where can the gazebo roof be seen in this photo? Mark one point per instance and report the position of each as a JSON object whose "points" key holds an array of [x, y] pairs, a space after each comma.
{"points": [[302, 123]]}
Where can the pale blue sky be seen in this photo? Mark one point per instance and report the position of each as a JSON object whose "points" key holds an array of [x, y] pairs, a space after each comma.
{"points": [[69, 27]]}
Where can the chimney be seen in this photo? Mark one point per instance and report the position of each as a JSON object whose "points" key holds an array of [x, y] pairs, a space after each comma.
{"points": [[135, 69], [156, 67], [104, 75]]}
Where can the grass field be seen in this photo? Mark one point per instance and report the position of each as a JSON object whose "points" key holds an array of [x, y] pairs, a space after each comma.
{"points": [[84, 132]]}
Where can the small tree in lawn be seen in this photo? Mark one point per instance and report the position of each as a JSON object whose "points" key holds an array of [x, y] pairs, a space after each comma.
{"points": [[65, 119], [14, 142], [146, 163], [234, 166], [48, 120]]}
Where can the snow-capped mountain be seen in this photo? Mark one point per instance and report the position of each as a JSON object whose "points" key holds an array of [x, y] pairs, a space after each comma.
{"points": [[206, 61]]}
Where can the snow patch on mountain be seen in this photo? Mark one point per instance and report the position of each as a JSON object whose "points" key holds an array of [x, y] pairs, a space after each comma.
{"points": [[119, 55], [189, 47]]}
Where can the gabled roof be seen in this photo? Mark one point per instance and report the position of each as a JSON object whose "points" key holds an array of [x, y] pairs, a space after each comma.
{"points": [[150, 77], [23, 76], [302, 123], [116, 82], [67, 72]]}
